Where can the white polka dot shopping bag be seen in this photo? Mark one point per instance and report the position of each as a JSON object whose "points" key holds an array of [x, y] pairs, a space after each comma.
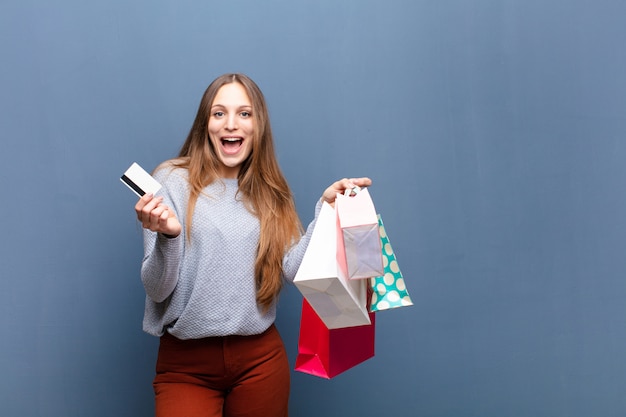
{"points": [[389, 289]]}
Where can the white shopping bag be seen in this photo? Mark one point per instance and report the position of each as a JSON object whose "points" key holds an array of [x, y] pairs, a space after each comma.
{"points": [[338, 301]]}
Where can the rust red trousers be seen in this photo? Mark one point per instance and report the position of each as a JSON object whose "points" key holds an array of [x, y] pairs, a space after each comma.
{"points": [[232, 376]]}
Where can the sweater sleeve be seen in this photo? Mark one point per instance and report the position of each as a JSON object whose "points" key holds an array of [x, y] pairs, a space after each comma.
{"points": [[162, 255], [293, 258], [159, 269]]}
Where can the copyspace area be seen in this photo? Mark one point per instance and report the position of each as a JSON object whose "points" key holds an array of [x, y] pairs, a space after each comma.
{"points": [[494, 132]]}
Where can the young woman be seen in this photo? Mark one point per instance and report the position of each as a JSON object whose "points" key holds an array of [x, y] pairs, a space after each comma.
{"points": [[220, 239]]}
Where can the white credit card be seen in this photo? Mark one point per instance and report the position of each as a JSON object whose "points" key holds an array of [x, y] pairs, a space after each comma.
{"points": [[139, 181]]}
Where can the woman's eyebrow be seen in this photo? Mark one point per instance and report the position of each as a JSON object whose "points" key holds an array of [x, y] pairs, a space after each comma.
{"points": [[245, 106]]}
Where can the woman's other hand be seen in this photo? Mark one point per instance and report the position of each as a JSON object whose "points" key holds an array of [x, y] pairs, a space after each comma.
{"points": [[156, 216], [342, 185]]}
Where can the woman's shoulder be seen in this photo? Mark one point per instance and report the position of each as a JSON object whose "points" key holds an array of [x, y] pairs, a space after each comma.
{"points": [[171, 170]]}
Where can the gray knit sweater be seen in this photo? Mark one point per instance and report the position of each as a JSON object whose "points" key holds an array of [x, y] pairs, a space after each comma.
{"points": [[206, 287]]}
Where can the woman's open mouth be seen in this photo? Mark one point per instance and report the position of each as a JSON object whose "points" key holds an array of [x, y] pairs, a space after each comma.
{"points": [[231, 145]]}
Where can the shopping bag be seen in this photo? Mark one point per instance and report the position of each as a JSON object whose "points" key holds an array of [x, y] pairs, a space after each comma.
{"points": [[359, 251], [339, 302], [388, 290], [327, 352]]}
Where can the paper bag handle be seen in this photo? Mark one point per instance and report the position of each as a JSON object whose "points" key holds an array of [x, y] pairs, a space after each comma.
{"points": [[352, 191]]}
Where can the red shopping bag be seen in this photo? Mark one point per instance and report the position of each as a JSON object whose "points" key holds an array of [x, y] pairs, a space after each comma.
{"points": [[327, 353]]}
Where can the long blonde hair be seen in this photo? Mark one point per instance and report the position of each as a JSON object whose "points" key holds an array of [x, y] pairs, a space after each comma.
{"points": [[261, 183]]}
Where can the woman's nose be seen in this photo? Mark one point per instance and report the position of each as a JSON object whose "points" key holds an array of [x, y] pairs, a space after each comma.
{"points": [[231, 123]]}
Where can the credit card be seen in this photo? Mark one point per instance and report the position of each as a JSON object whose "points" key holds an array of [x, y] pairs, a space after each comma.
{"points": [[139, 181]]}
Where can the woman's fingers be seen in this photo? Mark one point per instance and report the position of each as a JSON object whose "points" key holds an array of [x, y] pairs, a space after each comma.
{"points": [[361, 182], [340, 186], [145, 205], [156, 216], [149, 209], [153, 218]]}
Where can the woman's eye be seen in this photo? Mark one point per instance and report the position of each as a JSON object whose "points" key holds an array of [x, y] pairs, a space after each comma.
{"points": [[218, 114], [245, 114]]}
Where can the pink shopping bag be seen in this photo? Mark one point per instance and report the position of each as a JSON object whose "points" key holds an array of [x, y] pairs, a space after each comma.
{"points": [[358, 247]]}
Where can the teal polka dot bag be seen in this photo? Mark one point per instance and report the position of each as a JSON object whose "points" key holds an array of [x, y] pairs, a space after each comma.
{"points": [[389, 290]]}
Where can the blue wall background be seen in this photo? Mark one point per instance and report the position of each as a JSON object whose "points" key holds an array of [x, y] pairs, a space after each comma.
{"points": [[494, 132]]}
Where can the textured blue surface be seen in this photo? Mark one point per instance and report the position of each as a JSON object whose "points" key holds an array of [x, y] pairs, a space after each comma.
{"points": [[495, 133]]}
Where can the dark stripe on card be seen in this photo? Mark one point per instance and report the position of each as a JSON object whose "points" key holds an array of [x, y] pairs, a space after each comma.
{"points": [[132, 185]]}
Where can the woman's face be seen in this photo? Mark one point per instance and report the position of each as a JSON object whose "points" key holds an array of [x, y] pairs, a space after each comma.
{"points": [[231, 127]]}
